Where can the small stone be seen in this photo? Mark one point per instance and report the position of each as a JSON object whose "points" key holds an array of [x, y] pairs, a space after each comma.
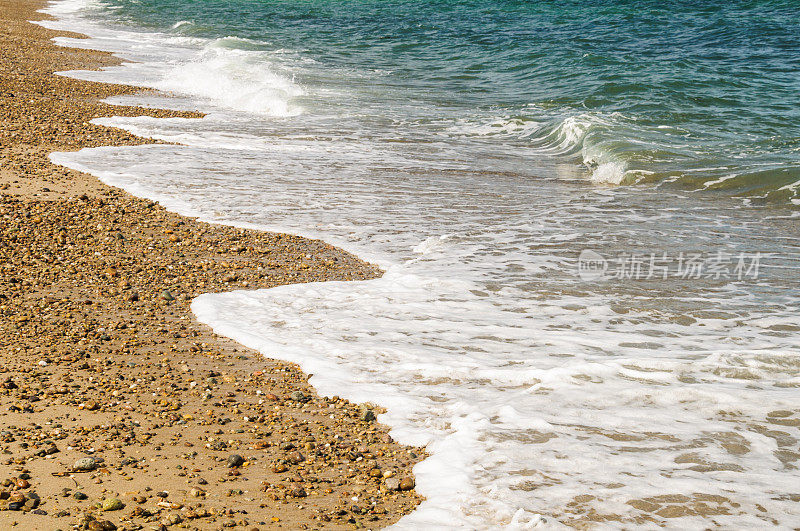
{"points": [[367, 415], [235, 460], [91, 405], [167, 296], [101, 525], [79, 495], [406, 484], [392, 484], [112, 504], [174, 519], [295, 457], [299, 396], [84, 464], [297, 492]]}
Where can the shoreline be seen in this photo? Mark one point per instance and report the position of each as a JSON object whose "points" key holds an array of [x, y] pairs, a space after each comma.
{"points": [[102, 357]]}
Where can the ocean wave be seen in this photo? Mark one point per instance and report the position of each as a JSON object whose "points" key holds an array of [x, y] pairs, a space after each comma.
{"points": [[182, 24], [615, 149], [69, 7], [231, 42], [774, 185], [231, 72], [585, 138]]}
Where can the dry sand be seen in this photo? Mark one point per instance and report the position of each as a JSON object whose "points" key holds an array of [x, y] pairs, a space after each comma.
{"points": [[102, 358]]}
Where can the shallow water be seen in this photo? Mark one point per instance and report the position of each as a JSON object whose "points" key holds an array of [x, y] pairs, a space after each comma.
{"points": [[701, 95], [661, 389]]}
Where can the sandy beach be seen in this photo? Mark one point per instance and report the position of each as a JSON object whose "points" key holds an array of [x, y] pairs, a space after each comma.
{"points": [[118, 410]]}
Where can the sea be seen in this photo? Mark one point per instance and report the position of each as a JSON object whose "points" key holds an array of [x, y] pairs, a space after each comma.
{"points": [[588, 215]]}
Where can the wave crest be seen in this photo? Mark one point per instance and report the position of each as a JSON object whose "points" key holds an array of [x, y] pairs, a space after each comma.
{"points": [[238, 77]]}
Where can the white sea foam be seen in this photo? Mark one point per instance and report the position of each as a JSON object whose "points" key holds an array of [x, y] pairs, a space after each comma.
{"points": [[514, 393], [229, 73], [182, 23], [541, 398], [608, 173], [581, 135], [236, 79]]}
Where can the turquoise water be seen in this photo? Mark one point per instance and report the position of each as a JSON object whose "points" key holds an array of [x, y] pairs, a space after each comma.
{"points": [[697, 95], [485, 155]]}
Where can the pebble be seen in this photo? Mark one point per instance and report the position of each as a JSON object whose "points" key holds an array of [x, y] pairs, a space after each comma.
{"points": [[100, 525], [299, 396], [173, 519], [295, 457], [112, 504], [235, 460], [96, 357], [84, 464], [406, 484], [297, 492]]}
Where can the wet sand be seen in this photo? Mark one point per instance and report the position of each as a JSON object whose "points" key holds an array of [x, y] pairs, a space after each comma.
{"points": [[117, 408]]}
